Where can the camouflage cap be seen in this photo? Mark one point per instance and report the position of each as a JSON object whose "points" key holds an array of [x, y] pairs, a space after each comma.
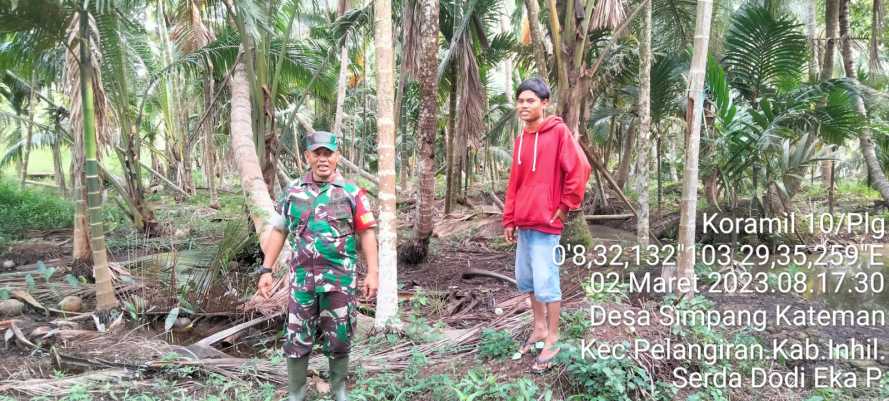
{"points": [[321, 139]]}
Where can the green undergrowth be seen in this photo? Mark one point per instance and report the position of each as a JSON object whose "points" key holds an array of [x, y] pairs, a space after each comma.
{"points": [[30, 209]]}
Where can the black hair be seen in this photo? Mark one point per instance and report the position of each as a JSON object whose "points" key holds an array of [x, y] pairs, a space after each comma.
{"points": [[536, 85]]}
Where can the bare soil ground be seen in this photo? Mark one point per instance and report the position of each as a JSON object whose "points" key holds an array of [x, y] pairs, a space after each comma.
{"points": [[446, 291]]}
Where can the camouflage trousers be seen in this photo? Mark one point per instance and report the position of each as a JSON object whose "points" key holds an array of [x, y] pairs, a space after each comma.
{"points": [[326, 317]]}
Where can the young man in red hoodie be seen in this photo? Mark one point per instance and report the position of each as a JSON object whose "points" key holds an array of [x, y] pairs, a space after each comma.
{"points": [[548, 178]]}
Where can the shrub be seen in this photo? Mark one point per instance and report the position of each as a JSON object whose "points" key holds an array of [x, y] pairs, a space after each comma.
{"points": [[496, 344], [478, 385], [608, 379], [30, 209]]}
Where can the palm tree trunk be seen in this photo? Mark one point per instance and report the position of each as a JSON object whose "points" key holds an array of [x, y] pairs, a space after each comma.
{"points": [[877, 175], [341, 82], [623, 168], [831, 17], [507, 64], [644, 126], [845, 41], [660, 180], [555, 33], [387, 295], [811, 26], [452, 126], [875, 66], [81, 251], [461, 151], [105, 298], [831, 21], [210, 144], [694, 116], [259, 202], [57, 156], [32, 110], [537, 38], [142, 215], [428, 126]]}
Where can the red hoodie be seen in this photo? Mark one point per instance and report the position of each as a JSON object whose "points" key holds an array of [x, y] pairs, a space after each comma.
{"points": [[549, 171]]}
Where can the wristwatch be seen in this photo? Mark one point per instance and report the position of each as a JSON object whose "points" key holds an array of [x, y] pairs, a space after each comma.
{"points": [[262, 270]]}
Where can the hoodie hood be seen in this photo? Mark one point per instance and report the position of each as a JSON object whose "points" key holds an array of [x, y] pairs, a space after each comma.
{"points": [[545, 126]]}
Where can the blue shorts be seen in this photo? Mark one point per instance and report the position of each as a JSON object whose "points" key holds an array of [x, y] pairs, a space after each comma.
{"points": [[535, 267]]}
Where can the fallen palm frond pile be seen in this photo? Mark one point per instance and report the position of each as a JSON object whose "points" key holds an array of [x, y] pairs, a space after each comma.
{"points": [[35, 288], [56, 387]]}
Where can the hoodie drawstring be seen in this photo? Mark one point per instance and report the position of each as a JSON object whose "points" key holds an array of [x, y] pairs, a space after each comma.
{"points": [[522, 142]]}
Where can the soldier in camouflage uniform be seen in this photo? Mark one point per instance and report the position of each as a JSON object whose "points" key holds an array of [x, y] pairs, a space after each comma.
{"points": [[322, 212]]}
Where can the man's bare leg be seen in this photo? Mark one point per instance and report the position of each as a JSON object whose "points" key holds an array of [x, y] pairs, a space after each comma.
{"points": [[552, 335], [540, 331]]}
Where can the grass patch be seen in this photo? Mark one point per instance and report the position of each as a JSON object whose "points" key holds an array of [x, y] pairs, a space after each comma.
{"points": [[852, 190], [30, 209]]}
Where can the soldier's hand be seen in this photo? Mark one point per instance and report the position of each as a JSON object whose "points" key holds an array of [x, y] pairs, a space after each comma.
{"points": [[266, 281], [509, 234], [369, 288]]}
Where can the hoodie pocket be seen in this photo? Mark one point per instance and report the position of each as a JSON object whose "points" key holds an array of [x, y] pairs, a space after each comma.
{"points": [[533, 205]]}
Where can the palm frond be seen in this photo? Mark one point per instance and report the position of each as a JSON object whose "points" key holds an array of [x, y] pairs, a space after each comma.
{"points": [[410, 37], [472, 105], [763, 53], [189, 31], [608, 14], [666, 86], [356, 22], [41, 138], [457, 36], [673, 22]]}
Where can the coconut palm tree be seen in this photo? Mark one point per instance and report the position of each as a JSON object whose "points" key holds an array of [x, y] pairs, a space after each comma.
{"points": [[878, 177], [72, 25], [695, 114], [427, 126], [116, 40], [644, 125], [387, 295]]}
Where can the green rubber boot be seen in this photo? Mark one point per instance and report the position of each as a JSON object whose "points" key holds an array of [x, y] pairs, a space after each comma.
{"points": [[296, 378], [339, 370]]}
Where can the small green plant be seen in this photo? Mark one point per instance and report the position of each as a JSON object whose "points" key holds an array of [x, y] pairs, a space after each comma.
{"points": [[708, 394], [884, 387], [822, 394], [423, 300], [575, 324], [702, 272], [377, 388], [419, 331], [44, 271], [608, 379], [607, 293], [496, 344], [479, 385], [78, 392]]}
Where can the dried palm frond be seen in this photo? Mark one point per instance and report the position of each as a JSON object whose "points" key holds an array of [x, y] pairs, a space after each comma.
{"points": [[72, 82], [471, 121], [55, 387], [413, 13], [189, 32], [609, 14]]}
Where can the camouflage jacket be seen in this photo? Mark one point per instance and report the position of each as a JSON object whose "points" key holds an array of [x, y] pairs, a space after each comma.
{"points": [[322, 219]]}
